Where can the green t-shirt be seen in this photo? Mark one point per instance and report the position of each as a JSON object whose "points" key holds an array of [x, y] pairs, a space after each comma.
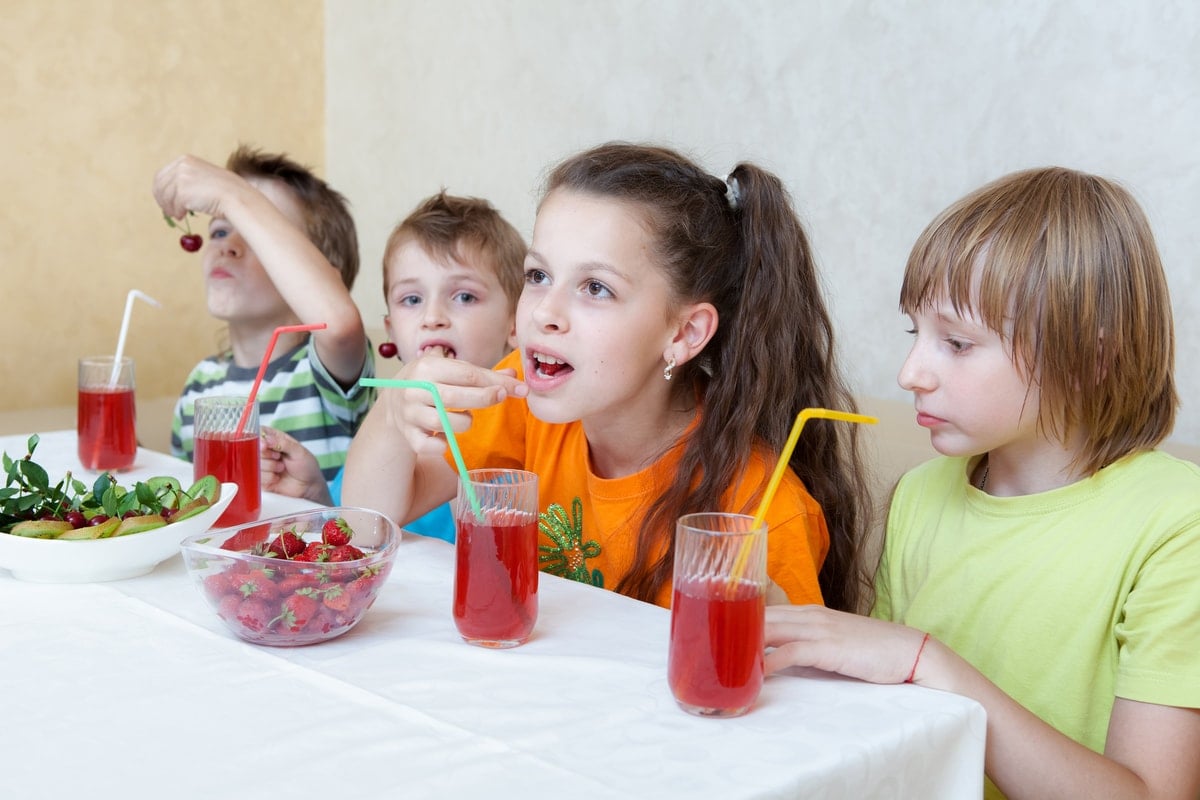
{"points": [[1064, 599]]}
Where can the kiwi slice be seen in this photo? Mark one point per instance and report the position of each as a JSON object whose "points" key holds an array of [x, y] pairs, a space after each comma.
{"points": [[167, 489], [41, 528], [139, 524], [207, 487], [191, 509]]}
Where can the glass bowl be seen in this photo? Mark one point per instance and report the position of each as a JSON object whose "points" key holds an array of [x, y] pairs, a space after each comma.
{"points": [[284, 601]]}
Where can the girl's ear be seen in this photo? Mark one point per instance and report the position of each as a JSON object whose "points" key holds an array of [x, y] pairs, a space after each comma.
{"points": [[697, 324], [512, 336]]}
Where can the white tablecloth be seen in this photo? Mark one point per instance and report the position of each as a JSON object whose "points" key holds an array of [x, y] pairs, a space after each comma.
{"points": [[135, 689]]}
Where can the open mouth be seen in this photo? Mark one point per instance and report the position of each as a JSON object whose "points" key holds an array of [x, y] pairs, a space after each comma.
{"points": [[550, 367]]}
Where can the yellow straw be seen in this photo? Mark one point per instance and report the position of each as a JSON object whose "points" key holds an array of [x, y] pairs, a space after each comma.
{"points": [[743, 555], [786, 455]]}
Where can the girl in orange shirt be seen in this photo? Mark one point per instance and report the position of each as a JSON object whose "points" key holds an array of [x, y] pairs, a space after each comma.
{"points": [[670, 329]]}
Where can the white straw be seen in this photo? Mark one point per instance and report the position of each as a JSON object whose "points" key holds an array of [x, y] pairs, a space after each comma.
{"points": [[116, 370]]}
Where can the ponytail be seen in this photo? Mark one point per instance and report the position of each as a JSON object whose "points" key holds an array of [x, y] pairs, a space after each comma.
{"points": [[738, 244]]}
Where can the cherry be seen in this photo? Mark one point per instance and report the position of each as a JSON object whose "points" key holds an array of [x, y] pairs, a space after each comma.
{"points": [[97, 519], [188, 241], [76, 518], [387, 349]]}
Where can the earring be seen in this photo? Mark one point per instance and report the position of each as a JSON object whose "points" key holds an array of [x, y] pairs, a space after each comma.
{"points": [[387, 350], [670, 366]]}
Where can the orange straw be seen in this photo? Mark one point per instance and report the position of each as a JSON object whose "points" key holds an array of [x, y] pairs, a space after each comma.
{"points": [[781, 466], [262, 369]]}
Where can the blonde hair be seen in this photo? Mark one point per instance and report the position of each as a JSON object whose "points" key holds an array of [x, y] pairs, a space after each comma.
{"points": [[1063, 265]]}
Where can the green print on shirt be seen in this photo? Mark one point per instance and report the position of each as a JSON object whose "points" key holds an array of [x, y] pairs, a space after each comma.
{"points": [[568, 556]]}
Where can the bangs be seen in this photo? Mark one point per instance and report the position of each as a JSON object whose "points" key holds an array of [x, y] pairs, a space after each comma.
{"points": [[1063, 267]]}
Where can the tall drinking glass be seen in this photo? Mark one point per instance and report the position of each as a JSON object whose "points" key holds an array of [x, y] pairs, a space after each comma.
{"points": [[221, 451], [496, 572], [106, 414], [715, 665]]}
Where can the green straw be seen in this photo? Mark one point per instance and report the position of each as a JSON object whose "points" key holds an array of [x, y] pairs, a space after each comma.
{"points": [[396, 383]]}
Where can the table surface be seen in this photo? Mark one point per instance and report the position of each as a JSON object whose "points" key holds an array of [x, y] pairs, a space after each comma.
{"points": [[135, 689]]}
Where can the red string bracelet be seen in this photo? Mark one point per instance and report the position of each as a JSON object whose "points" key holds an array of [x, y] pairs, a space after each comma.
{"points": [[917, 660]]}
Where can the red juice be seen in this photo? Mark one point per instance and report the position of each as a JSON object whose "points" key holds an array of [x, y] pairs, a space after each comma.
{"points": [[715, 665], [105, 421], [495, 582], [232, 459]]}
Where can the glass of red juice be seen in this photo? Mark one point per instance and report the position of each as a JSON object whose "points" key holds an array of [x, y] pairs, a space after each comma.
{"points": [[719, 589], [496, 572], [231, 455], [106, 414]]}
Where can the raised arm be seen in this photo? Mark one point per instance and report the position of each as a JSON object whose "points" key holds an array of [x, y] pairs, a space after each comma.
{"points": [[259, 212], [397, 463], [1151, 751]]}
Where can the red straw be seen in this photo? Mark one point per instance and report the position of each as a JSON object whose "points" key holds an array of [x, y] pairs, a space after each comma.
{"points": [[262, 370]]}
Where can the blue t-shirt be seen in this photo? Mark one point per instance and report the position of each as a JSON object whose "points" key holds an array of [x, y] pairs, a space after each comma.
{"points": [[438, 523]]}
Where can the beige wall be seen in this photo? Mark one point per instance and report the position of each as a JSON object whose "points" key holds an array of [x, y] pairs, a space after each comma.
{"points": [[98, 96]]}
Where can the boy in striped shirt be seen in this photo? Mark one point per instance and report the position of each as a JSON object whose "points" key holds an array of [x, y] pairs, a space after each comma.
{"points": [[282, 250]]}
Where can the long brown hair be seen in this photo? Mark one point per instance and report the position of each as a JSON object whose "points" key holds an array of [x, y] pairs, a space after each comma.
{"points": [[1063, 265], [740, 246]]}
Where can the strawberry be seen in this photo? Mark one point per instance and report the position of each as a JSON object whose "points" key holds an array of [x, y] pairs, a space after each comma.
{"points": [[363, 586], [217, 585], [293, 582], [227, 607], [345, 552], [335, 596], [247, 538], [286, 545], [257, 583], [254, 614], [336, 532], [298, 609], [315, 551]]}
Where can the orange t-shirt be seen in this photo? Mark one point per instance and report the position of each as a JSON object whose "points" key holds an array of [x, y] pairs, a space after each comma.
{"points": [[589, 525]]}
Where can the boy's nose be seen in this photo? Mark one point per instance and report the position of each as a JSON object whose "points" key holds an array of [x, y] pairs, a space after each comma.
{"points": [[913, 375], [434, 315]]}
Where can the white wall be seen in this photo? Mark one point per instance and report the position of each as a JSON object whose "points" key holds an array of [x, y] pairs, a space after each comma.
{"points": [[875, 114]]}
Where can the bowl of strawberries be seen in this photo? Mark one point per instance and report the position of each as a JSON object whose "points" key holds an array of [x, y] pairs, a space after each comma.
{"points": [[297, 579]]}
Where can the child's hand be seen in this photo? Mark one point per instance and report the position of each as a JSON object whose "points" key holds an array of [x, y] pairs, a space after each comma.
{"points": [[461, 385], [288, 468], [836, 641], [193, 184]]}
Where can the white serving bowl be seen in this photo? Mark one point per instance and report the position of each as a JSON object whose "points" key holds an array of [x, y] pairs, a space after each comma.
{"points": [[94, 560]]}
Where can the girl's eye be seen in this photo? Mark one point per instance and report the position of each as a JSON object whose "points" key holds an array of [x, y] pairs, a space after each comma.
{"points": [[911, 331], [596, 289], [466, 298], [409, 300], [218, 233], [957, 345], [536, 276]]}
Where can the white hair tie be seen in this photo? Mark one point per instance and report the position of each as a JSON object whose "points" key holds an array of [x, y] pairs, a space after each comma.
{"points": [[733, 193]]}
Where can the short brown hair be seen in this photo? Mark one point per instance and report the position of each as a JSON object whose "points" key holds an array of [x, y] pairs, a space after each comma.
{"points": [[327, 220], [445, 224], [1063, 265]]}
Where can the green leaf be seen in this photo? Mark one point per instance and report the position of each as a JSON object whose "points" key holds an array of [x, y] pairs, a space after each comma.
{"points": [[102, 485], [33, 442], [36, 476], [145, 495]]}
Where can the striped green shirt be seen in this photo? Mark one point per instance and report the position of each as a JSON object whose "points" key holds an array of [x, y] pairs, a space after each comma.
{"points": [[297, 396]]}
